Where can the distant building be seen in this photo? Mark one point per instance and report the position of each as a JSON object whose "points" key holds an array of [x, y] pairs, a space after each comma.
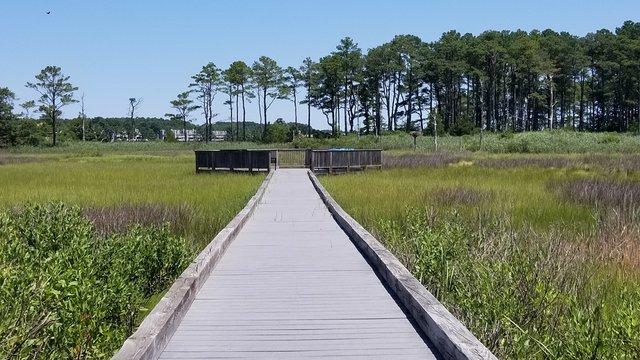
{"points": [[124, 136], [191, 135], [218, 135]]}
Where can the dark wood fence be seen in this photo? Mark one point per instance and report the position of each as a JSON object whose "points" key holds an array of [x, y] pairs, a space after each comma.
{"points": [[233, 160], [329, 161], [345, 160]]}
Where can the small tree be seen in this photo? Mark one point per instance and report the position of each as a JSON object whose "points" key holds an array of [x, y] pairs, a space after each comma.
{"points": [[55, 92], [293, 79], [133, 105], [27, 106], [307, 72], [268, 77], [239, 75], [184, 107], [205, 84]]}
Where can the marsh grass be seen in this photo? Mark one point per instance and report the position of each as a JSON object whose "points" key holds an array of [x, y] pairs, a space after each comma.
{"points": [[439, 159], [543, 162], [460, 196], [10, 160], [622, 196], [118, 219], [539, 258], [520, 192], [117, 190], [614, 163]]}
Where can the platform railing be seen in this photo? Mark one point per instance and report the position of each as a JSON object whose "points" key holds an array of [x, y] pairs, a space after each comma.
{"points": [[329, 161]]}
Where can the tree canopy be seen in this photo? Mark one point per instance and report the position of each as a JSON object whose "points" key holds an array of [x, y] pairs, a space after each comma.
{"points": [[55, 92], [498, 81]]}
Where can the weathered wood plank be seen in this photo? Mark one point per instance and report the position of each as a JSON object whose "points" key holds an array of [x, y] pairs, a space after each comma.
{"points": [[293, 285]]}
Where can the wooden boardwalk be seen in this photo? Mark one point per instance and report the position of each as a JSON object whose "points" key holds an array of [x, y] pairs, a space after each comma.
{"points": [[292, 286]]}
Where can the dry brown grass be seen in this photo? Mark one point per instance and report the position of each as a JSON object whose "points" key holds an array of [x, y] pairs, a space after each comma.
{"points": [[117, 219], [460, 195], [420, 160], [618, 241], [614, 163], [10, 160], [618, 195], [615, 241], [544, 162]]}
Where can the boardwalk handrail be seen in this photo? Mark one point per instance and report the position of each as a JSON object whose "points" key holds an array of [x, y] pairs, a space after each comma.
{"points": [[332, 160], [156, 329], [233, 160], [345, 159], [452, 339]]}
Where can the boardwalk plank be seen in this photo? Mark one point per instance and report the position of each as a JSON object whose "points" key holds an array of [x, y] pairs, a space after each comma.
{"points": [[291, 286]]}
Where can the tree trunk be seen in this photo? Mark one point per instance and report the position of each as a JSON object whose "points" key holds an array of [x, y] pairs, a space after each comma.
{"points": [[346, 99], [378, 114], [264, 107], [581, 108], [295, 109], [53, 120], [551, 112], [308, 113], [244, 117], [237, 117], [231, 111], [184, 127]]}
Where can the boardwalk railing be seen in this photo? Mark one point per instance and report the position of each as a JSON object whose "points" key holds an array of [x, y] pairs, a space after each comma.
{"points": [[345, 160], [233, 160], [329, 161]]}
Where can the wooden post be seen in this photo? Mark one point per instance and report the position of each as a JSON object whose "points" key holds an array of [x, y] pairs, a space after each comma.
{"points": [[330, 161], [309, 159]]}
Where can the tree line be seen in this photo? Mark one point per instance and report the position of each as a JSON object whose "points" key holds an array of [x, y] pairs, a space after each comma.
{"points": [[461, 83], [498, 81]]}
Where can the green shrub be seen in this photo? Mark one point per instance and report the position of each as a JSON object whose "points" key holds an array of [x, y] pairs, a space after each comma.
{"points": [[68, 293]]}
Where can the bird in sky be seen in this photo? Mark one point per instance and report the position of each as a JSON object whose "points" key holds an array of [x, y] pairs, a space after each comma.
{"points": [[48, 12]]}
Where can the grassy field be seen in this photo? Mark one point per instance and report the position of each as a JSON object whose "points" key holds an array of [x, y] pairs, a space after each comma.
{"points": [[90, 238], [148, 189], [538, 255]]}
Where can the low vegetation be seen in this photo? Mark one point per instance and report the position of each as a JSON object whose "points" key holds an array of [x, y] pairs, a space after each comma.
{"points": [[539, 258], [68, 292], [90, 241]]}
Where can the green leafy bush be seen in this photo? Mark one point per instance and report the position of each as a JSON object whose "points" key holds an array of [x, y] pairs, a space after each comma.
{"points": [[66, 292]]}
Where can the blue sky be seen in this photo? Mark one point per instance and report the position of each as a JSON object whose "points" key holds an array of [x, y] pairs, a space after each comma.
{"points": [[117, 49]]}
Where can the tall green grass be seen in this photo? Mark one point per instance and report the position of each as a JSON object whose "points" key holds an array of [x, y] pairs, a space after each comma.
{"points": [[520, 192], [208, 201]]}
